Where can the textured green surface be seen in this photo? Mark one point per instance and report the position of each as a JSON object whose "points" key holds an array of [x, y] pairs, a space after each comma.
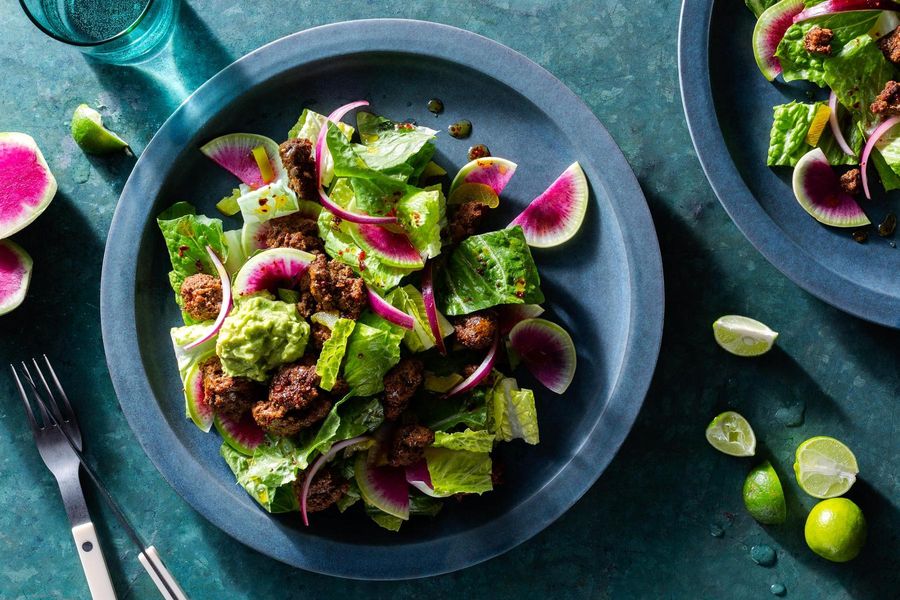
{"points": [[644, 530]]}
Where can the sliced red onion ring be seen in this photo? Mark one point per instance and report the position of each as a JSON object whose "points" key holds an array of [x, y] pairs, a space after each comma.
{"points": [[226, 301], [417, 475], [835, 128], [483, 370], [385, 309], [835, 6], [431, 309], [316, 466], [870, 144]]}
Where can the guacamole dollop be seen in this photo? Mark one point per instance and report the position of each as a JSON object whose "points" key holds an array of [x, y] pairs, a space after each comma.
{"points": [[260, 334]]}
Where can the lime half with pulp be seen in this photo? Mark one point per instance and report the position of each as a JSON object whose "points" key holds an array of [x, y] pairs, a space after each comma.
{"points": [[764, 496], [835, 529], [731, 433], [825, 467], [743, 336], [90, 134]]}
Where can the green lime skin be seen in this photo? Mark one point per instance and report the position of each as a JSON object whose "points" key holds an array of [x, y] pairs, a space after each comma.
{"points": [[836, 529], [764, 496]]}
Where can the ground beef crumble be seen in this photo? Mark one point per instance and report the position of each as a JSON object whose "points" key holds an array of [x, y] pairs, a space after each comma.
{"points": [[818, 41], [478, 330], [299, 162], [292, 231], [294, 401], [465, 220], [408, 445], [335, 287], [851, 182], [227, 395], [400, 384], [890, 46], [888, 101], [201, 296], [326, 489]]}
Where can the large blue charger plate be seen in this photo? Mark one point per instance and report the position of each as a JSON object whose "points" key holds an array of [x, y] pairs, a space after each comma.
{"points": [[605, 286], [728, 104]]}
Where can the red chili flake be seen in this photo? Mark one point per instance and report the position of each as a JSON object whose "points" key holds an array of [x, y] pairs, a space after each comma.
{"points": [[199, 266], [182, 250], [262, 201]]}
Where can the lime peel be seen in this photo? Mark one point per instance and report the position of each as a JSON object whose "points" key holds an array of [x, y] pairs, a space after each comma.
{"points": [[764, 496], [90, 134], [743, 336]]}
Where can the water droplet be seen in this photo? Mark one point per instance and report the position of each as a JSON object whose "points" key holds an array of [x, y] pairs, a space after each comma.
{"points": [[778, 589], [436, 106], [716, 530], [461, 129], [478, 151], [791, 416], [763, 555]]}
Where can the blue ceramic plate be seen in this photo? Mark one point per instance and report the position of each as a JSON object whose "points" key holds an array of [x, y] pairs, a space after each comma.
{"points": [[728, 104], [605, 286]]}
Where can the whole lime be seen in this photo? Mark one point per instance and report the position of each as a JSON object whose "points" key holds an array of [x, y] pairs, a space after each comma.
{"points": [[836, 529]]}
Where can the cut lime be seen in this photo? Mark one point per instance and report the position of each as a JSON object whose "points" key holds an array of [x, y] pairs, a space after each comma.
{"points": [[731, 433], [825, 467], [743, 336], [817, 125], [764, 496], [836, 529], [90, 134]]}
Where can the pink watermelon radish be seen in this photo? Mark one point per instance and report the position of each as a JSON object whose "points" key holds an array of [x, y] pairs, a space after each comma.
{"points": [[391, 247], [234, 153], [546, 350], [769, 30], [818, 190], [494, 172], [26, 184], [834, 6], [244, 435], [200, 411], [385, 488], [510, 314], [15, 275], [253, 232], [555, 216], [272, 269]]}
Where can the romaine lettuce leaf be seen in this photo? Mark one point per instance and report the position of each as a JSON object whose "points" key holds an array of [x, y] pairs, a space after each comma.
{"points": [[329, 363], [423, 213], [759, 6], [187, 235], [389, 522], [186, 359], [349, 417], [473, 441], [857, 75], [489, 269], [458, 471], [420, 504], [511, 413], [268, 474], [268, 202], [797, 63], [787, 140], [887, 162], [409, 300], [371, 352], [398, 149], [443, 414], [310, 123], [351, 497]]}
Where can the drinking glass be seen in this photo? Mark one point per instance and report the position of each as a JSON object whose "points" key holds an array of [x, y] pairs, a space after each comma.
{"points": [[113, 31]]}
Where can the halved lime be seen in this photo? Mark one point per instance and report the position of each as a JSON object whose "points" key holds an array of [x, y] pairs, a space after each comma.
{"points": [[825, 467], [90, 134], [731, 433], [764, 496], [835, 529], [743, 336]]}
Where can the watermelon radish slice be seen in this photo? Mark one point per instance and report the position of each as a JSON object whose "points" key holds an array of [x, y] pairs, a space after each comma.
{"points": [[385, 488], [494, 172], [26, 184], [15, 275], [769, 30], [200, 411], [234, 153], [818, 190], [272, 269], [391, 247], [835, 6], [546, 350], [254, 232], [556, 215], [244, 435], [510, 314]]}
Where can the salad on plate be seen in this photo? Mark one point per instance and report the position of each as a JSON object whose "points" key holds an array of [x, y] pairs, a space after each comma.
{"points": [[354, 340]]}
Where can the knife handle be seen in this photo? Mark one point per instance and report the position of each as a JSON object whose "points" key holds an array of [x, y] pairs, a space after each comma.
{"points": [[150, 555], [92, 562]]}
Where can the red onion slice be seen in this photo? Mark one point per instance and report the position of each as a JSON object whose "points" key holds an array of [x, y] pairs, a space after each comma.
{"points": [[417, 475], [385, 309], [226, 301], [870, 144], [835, 128], [834, 6], [316, 466], [483, 370], [431, 309]]}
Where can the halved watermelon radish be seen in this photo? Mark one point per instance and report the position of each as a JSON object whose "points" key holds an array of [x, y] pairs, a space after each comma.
{"points": [[244, 435], [253, 232], [556, 215], [510, 314], [493, 171], [769, 31], [818, 190], [15, 275], [200, 411], [385, 488], [391, 247], [546, 349], [26, 184], [234, 152], [272, 269]]}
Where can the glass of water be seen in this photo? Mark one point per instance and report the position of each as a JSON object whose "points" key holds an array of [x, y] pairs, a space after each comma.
{"points": [[113, 31]]}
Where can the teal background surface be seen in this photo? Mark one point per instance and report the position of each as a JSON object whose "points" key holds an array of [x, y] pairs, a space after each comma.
{"points": [[645, 528]]}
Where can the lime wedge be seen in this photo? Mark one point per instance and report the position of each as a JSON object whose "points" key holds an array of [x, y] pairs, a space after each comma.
{"points": [[743, 336], [764, 496], [825, 467], [90, 134], [731, 433]]}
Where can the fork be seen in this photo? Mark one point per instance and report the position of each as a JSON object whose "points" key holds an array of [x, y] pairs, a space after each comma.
{"points": [[59, 443]]}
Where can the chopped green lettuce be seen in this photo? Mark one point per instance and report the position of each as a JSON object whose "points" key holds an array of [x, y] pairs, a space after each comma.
{"points": [[236, 255], [443, 414], [310, 123], [887, 161], [349, 417], [787, 140], [511, 413], [798, 63], [187, 235], [423, 213], [389, 522], [489, 269], [370, 353], [409, 300], [351, 497], [759, 6], [186, 359], [419, 504], [458, 471], [268, 474], [329, 363], [268, 202], [397, 149], [473, 441], [857, 75]]}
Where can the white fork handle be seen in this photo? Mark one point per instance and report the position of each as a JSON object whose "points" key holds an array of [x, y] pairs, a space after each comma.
{"points": [[92, 562], [151, 555]]}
